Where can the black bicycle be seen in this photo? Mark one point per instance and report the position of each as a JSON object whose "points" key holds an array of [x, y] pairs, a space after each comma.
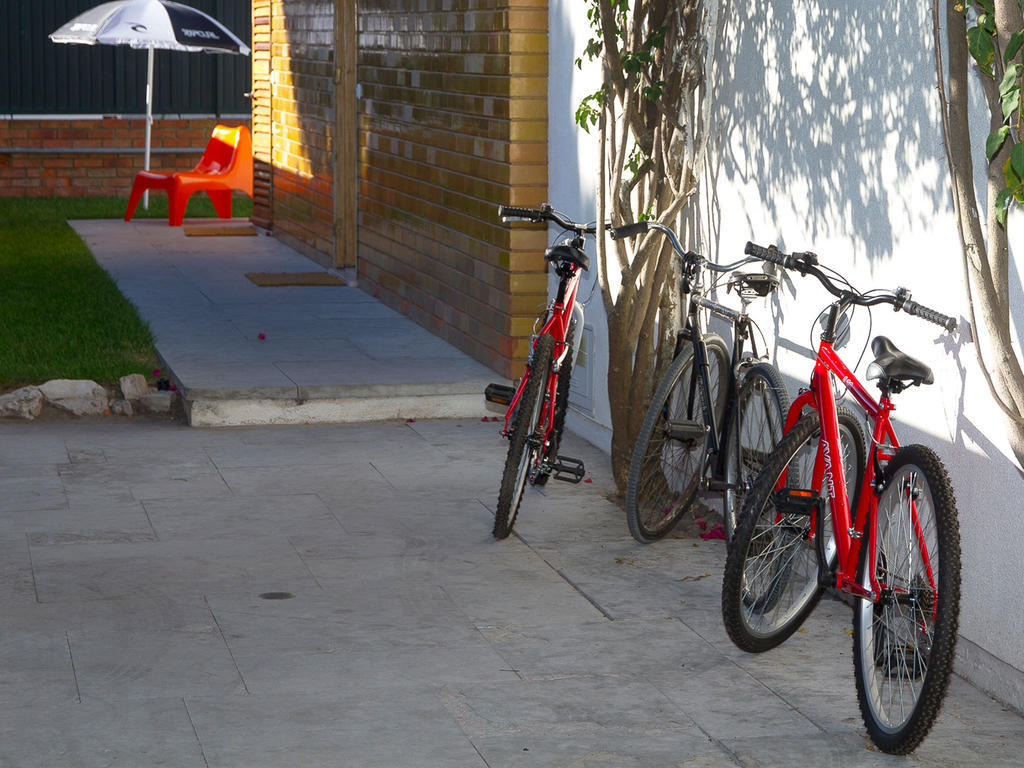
{"points": [[716, 414]]}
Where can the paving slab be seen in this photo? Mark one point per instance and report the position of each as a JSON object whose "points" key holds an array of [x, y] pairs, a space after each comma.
{"points": [[332, 595], [242, 354]]}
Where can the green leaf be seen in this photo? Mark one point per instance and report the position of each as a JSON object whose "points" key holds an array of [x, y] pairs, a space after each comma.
{"points": [[981, 47], [1009, 90], [1013, 47], [1013, 181], [1002, 205], [1017, 159], [1010, 77], [1010, 176], [1009, 102], [995, 140]]}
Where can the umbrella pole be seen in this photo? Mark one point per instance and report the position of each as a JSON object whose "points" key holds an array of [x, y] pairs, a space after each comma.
{"points": [[149, 117]]}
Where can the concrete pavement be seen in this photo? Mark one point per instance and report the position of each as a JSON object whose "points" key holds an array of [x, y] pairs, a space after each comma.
{"points": [[330, 595], [244, 354]]}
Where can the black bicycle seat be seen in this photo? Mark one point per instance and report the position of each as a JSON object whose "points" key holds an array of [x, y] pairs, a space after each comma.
{"points": [[898, 365], [568, 254], [751, 284]]}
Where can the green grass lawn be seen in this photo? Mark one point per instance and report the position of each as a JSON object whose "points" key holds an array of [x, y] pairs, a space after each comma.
{"points": [[61, 315]]}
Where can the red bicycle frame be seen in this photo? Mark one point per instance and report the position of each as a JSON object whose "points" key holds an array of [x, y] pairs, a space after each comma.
{"points": [[557, 324], [849, 527]]}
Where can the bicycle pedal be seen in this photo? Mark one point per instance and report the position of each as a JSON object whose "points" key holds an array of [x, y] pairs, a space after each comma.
{"points": [[567, 469], [499, 393], [796, 501], [685, 430]]}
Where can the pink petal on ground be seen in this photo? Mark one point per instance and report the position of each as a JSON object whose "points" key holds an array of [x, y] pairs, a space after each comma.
{"points": [[716, 532], [261, 336]]}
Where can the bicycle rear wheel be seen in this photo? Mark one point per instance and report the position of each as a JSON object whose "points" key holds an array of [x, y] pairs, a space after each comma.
{"points": [[772, 569], [903, 643], [525, 449], [757, 423], [671, 449]]}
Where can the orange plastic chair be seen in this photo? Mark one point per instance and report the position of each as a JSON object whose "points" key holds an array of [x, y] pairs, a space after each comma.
{"points": [[226, 165]]}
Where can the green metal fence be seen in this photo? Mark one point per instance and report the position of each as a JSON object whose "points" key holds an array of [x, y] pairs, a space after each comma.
{"points": [[38, 77]]}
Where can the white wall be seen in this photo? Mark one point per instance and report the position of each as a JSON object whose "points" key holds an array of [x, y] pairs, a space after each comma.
{"points": [[829, 140], [572, 188]]}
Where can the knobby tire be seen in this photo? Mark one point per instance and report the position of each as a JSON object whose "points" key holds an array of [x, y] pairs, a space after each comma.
{"points": [[903, 644], [771, 581], [524, 449], [665, 473]]}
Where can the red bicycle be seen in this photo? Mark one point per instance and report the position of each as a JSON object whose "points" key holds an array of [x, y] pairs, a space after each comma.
{"points": [[536, 406], [895, 548]]}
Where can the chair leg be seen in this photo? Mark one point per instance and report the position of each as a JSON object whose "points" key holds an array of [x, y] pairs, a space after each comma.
{"points": [[221, 199], [133, 199], [177, 200]]}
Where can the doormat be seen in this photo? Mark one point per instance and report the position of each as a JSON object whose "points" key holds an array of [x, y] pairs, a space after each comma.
{"points": [[265, 279], [241, 228]]}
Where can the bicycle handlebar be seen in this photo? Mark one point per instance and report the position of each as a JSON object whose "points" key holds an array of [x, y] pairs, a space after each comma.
{"points": [[639, 227], [628, 230], [807, 264], [544, 213]]}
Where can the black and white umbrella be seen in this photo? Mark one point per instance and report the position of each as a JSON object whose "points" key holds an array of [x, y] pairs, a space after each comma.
{"points": [[150, 24]]}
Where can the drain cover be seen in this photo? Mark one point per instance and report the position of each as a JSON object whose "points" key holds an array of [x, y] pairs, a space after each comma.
{"points": [[276, 596]]}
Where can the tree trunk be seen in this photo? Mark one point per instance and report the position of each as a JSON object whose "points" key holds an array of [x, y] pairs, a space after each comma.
{"points": [[985, 264]]}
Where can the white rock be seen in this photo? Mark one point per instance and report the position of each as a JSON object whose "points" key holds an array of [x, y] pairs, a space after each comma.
{"points": [[133, 386], [67, 389], [122, 408], [24, 403], [79, 397]]}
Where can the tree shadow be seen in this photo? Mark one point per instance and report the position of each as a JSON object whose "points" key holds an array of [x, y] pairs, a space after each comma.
{"points": [[824, 98]]}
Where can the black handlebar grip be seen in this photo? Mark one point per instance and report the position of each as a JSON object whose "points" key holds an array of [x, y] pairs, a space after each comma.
{"points": [[628, 230], [913, 308], [507, 212], [774, 255]]}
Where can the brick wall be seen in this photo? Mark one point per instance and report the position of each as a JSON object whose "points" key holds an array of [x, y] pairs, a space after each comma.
{"points": [[453, 121], [47, 170], [293, 111]]}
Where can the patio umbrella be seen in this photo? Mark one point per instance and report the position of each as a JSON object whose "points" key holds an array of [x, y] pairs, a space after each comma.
{"points": [[150, 24]]}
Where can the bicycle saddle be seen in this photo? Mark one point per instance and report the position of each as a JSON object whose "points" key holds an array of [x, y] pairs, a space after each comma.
{"points": [[567, 253], [893, 364]]}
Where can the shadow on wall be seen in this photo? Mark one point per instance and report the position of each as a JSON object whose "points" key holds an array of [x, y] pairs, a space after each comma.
{"points": [[823, 110], [826, 118]]}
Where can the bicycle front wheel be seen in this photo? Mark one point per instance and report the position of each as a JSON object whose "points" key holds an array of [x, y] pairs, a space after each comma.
{"points": [[671, 449], [525, 449], [772, 569], [757, 422], [903, 643]]}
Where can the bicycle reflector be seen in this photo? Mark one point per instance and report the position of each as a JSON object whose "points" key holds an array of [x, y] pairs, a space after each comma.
{"points": [[796, 501]]}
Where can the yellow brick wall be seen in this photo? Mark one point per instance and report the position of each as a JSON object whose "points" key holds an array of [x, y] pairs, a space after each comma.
{"points": [[452, 122], [293, 122]]}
